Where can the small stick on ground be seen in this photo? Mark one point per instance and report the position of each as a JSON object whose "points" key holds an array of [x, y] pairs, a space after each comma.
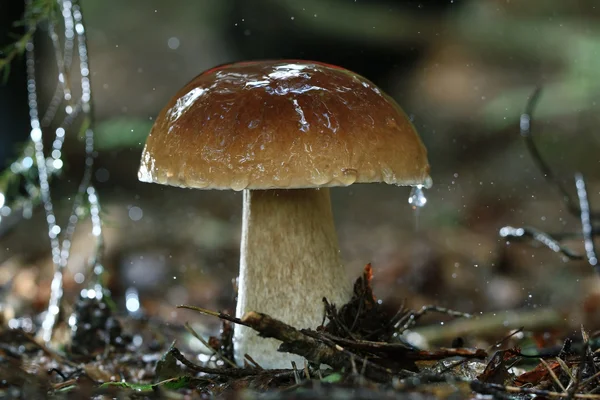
{"points": [[411, 318], [494, 388], [224, 316], [553, 375], [208, 346], [310, 345], [233, 373], [251, 360], [491, 324]]}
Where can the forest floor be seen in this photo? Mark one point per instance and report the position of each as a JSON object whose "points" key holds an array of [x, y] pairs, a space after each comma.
{"points": [[363, 344]]}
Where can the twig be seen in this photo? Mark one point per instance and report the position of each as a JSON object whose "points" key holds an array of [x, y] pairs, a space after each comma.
{"points": [[453, 365], [297, 378], [565, 368], [406, 351], [493, 388], [590, 379], [582, 210], [310, 345], [571, 235], [306, 371], [588, 238], [233, 373], [399, 348], [205, 343], [219, 315], [53, 354], [365, 286], [547, 173], [294, 341], [553, 375], [411, 318], [546, 239], [425, 378], [332, 314], [251, 360], [587, 356], [505, 338], [391, 324], [490, 324]]}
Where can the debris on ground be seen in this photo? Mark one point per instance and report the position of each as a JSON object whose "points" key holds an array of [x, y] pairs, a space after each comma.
{"points": [[359, 352]]}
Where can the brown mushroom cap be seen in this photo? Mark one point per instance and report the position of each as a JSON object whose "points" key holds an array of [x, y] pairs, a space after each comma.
{"points": [[284, 124]]}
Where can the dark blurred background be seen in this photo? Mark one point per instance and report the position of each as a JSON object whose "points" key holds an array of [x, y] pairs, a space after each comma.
{"points": [[463, 71], [13, 99]]}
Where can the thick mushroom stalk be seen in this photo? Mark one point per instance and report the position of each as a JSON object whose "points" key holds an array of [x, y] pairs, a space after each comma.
{"points": [[289, 262]]}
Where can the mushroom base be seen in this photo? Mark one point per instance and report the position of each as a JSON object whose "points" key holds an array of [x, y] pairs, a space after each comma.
{"points": [[289, 262]]}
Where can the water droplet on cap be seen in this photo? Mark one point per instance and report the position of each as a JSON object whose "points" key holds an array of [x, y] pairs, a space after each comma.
{"points": [[388, 175], [201, 184], [428, 183], [348, 177], [319, 178], [239, 184]]}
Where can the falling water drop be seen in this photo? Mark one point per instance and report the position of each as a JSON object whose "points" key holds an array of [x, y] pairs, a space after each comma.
{"points": [[417, 198]]}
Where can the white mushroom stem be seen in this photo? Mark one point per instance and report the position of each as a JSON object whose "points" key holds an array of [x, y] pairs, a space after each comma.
{"points": [[289, 262]]}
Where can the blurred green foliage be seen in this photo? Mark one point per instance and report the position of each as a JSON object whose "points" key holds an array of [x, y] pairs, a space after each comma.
{"points": [[569, 49], [122, 132], [36, 12]]}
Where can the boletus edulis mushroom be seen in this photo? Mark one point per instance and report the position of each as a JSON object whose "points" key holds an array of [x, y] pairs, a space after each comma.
{"points": [[284, 132]]}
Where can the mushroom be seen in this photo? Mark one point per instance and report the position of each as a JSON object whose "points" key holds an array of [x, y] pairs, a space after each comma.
{"points": [[284, 132]]}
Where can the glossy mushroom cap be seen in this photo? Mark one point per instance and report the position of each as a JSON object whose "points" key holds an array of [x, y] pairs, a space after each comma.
{"points": [[282, 124]]}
